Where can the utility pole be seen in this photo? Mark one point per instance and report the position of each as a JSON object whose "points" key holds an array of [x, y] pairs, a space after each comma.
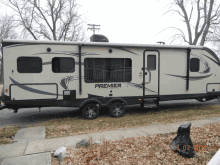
{"points": [[93, 27]]}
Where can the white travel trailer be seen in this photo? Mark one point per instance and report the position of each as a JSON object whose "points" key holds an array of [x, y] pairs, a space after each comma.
{"points": [[90, 75]]}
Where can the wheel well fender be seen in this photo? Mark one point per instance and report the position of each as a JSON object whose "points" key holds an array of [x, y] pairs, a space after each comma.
{"points": [[115, 100], [90, 101]]}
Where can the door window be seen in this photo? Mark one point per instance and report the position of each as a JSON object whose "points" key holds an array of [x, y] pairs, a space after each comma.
{"points": [[151, 62]]}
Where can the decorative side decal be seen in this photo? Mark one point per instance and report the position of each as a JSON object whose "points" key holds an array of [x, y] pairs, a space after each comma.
{"points": [[139, 86], [68, 53], [90, 95], [66, 80], [12, 44], [192, 78], [49, 63], [32, 89], [212, 60], [207, 67], [207, 70], [126, 50]]}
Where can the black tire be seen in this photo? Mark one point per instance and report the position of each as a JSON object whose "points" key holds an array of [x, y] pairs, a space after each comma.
{"points": [[90, 111], [117, 109]]}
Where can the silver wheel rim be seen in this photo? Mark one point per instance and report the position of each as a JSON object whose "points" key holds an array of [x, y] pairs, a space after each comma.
{"points": [[203, 99], [117, 110], [91, 112]]}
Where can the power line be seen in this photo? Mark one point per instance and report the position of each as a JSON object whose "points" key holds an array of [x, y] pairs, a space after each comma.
{"points": [[93, 28]]}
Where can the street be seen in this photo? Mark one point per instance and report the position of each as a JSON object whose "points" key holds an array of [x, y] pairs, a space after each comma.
{"points": [[28, 116]]}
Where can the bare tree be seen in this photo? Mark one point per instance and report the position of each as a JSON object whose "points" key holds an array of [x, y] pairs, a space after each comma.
{"points": [[198, 16], [7, 31], [55, 20], [214, 36]]}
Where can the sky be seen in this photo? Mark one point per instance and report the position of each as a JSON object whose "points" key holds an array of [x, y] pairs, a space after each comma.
{"points": [[129, 21], [135, 21], [132, 21]]}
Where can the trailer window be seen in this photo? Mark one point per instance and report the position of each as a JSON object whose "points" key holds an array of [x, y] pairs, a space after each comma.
{"points": [[151, 62], [107, 70], [63, 65], [29, 64], [194, 64]]}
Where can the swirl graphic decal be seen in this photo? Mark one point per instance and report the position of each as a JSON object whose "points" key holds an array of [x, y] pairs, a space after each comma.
{"points": [[212, 60], [64, 82], [68, 53], [139, 86], [24, 87], [207, 66], [192, 78], [123, 49]]}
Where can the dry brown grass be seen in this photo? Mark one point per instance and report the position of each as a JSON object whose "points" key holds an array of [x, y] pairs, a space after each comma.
{"points": [[69, 127], [153, 149], [7, 133], [142, 117]]}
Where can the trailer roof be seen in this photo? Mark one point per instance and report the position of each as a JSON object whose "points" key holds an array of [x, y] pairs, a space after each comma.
{"points": [[12, 42]]}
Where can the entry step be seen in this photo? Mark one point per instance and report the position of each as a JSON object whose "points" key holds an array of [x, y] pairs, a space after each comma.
{"points": [[150, 100], [147, 105]]}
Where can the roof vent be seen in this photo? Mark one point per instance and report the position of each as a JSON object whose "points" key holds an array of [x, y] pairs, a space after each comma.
{"points": [[98, 38], [161, 42]]}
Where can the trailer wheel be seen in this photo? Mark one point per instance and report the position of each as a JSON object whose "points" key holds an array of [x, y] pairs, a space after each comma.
{"points": [[117, 109], [90, 111]]}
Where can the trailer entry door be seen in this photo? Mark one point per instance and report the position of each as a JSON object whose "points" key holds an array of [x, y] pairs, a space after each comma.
{"points": [[151, 73]]}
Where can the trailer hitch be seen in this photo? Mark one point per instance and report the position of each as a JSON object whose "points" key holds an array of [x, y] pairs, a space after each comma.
{"points": [[3, 106]]}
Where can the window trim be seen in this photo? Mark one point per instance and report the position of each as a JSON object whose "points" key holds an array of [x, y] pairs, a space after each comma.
{"points": [[30, 57]]}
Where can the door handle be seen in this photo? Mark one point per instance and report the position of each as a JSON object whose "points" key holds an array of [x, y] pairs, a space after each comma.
{"points": [[149, 76]]}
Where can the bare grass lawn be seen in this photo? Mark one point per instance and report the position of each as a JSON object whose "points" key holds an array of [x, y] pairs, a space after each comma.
{"points": [[143, 150], [76, 125], [69, 127]]}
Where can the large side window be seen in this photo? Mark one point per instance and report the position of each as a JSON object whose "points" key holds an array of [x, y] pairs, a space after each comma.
{"points": [[194, 64], [151, 62], [107, 70], [63, 65], [29, 64]]}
